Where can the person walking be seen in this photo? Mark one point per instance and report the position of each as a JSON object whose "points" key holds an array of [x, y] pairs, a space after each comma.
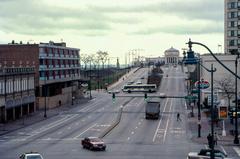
{"points": [[215, 138], [209, 138], [178, 117]]}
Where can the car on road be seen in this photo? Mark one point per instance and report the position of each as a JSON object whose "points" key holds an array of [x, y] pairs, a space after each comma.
{"points": [[205, 154], [139, 82], [93, 143], [130, 82], [114, 91], [31, 155]]}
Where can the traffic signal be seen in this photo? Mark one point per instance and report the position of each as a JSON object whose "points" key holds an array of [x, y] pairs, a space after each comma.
{"points": [[145, 96], [113, 97]]}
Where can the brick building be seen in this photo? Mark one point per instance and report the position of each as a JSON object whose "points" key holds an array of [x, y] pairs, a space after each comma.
{"points": [[57, 69]]}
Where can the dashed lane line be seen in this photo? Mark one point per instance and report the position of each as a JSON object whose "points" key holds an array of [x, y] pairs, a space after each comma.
{"points": [[159, 123], [164, 137]]}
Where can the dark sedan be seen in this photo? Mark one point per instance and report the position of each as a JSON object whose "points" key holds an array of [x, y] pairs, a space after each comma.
{"points": [[93, 143]]}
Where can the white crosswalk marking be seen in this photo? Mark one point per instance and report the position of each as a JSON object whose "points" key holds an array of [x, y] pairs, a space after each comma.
{"points": [[237, 150]]}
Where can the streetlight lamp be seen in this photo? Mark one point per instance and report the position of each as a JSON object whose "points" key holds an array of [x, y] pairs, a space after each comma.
{"points": [[190, 60], [236, 140]]}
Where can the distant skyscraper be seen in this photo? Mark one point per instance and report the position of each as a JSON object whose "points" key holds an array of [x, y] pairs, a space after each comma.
{"points": [[231, 26]]}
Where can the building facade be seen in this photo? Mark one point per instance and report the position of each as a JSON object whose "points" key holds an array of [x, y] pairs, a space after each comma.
{"points": [[221, 73], [17, 95], [171, 56], [57, 70], [232, 26]]}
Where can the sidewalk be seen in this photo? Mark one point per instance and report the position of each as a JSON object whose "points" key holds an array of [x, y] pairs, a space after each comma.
{"points": [[206, 129], [38, 116]]}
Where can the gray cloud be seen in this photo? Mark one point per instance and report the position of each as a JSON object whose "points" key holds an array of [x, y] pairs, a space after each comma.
{"points": [[184, 29], [188, 9], [36, 18], [33, 17]]}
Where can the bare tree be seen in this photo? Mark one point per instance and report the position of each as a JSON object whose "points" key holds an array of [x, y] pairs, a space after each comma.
{"points": [[85, 60], [102, 56], [95, 61], [226, 85]]}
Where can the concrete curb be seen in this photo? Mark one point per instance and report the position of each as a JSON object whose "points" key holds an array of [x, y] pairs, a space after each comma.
{"points": [[116, 122]]}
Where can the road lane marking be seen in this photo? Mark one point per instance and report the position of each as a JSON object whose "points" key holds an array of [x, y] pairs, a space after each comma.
{"points": [[85, 131], [223, 150], [166, 129], [128, 138], [237, 150], [159, 123], [132, 132], [206, 147], [48, 128]]}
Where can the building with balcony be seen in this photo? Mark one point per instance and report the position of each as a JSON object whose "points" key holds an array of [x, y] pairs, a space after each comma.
{"points": [[57, 70], [232, 26], [17, 96]]}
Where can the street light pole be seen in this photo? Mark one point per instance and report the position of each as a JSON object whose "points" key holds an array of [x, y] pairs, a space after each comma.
{"points": [[90, 84], [72, 85], [212, 113], [45, 95], [199, 98], [236, 140]]}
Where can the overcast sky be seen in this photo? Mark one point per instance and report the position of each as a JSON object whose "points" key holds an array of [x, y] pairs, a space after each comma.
{"points": [[116, 26]]}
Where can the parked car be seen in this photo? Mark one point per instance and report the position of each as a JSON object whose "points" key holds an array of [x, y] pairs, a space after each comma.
{"points": [[31, 155], [205, 154], [93, 143]]}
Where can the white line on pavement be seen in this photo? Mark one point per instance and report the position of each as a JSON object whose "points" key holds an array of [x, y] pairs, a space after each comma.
{"points": [[85, 131], [223, 149], [237, 150], [159, 123], [206, 147], [42, 130], [164, 136]]}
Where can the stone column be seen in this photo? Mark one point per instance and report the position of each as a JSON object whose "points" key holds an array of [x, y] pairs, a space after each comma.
{"points": [[14, 117]]}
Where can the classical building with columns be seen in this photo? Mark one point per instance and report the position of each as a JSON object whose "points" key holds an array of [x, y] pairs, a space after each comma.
{"points": [[17, 96], [171, 56]]}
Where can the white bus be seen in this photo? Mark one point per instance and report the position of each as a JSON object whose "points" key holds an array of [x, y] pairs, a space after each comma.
{"points": [[140, 88]]}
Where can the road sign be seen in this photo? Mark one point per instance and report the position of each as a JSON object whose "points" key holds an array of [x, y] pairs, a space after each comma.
{"points": [[223, 112], [203, 84]]}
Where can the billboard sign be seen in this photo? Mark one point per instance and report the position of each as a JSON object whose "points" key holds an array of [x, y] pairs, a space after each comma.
{"points": [[223, 112]]}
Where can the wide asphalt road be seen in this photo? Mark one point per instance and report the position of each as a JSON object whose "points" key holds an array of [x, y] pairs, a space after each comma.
{"points": [[134, 138]]}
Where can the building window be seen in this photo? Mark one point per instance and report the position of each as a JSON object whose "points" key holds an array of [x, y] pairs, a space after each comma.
{"points": [[231, 42], [232, 5]]}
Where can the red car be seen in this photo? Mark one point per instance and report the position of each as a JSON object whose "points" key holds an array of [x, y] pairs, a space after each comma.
{"points": [[93, 143]]}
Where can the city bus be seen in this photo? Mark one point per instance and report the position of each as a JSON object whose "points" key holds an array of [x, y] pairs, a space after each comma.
{"points": [[140, 88]]}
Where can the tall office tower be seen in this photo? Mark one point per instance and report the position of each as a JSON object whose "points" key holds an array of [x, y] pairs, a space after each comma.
{"points": [[231, 26]]}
